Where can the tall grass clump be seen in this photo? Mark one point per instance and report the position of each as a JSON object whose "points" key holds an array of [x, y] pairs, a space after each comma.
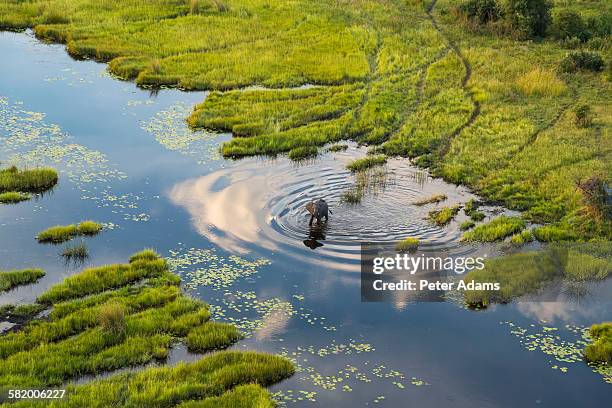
{"points": [[366, 163], [407, 245], [495, 230], [63, 233], [76, 253], [89, 228], [11, 279], [444, 215], [600, 348], [302, 153], [541, 82], [27, 181], [111, 318], [211, 336], [13, 197], [58, 234]]}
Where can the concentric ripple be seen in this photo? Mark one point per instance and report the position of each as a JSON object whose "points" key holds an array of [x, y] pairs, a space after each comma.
{"points": [[262, 202]]}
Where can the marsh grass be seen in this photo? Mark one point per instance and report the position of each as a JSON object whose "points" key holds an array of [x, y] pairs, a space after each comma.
{"points": [[517, 275], [20, 312], [526, 273], [63, 233], [303, 153], [495, 230], [434, 199], [338, 147], [13, 197], [212, 335], [522, 238], [117, 316], [444, 215], [76, 253], [407, 245], [58, 234], [372, 181], [466, 225], [11, 279], [600, 348], [366, 163], [27, 181], [89, 228], [488, 112]]}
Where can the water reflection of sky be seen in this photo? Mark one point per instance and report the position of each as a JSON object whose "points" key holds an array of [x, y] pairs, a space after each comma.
{"points": [[301, 298]]}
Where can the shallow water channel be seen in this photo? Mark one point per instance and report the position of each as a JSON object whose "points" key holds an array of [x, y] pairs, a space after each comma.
{"points": [[237, 234]]}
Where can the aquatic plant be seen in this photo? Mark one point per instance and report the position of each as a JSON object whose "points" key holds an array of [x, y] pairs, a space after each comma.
{"points": [[522, 237], [63, 233], [11, 279], [444, 215], [434, 199], [466, 225], [600, 349], [27, 181], [76, 253], [89, 228], [58, 234], [117, 316], [13, 197], [407, 244], [20, 312], [338, 147], [302, 152], [212, 335], [366, 163], [495, 230]]}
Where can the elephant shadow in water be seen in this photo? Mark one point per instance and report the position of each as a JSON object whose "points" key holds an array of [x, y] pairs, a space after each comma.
{"points": [[316, 233]]}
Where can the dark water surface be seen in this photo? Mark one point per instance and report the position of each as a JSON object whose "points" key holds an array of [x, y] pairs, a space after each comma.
{"points": [[235, 231]]}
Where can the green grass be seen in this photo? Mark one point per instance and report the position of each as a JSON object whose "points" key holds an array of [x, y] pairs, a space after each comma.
{"points": [[11, 279], [366, 163], [302, 153], [89, 228], [212, 335], [434, 199], [228, 379], [116, 316], [63, 233], [415, 79], [444, 215], [20, 312], [600, 349], [466, 225], [337, 147], [525, 273], [495, 230], [13, 197], [406, 245], [27, 181], [522, 237], [58, 234]]}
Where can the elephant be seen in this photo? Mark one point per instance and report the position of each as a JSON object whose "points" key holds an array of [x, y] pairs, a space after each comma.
{"points": [[318, 209]]}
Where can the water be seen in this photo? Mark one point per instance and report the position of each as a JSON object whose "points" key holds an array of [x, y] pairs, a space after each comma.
{"points": [[238, 235]]}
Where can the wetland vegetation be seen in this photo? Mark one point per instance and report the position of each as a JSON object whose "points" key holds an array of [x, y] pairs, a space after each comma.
{"points": [[452, 85], [11, 279], [123, 315], [63, 233], [19, 182]]}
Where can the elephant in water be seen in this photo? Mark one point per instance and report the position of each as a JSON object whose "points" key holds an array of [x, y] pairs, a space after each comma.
{"points": [[318, 209]]}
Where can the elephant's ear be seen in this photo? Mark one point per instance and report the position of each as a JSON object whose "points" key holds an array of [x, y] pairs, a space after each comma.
{"points": [[310, 207]]}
